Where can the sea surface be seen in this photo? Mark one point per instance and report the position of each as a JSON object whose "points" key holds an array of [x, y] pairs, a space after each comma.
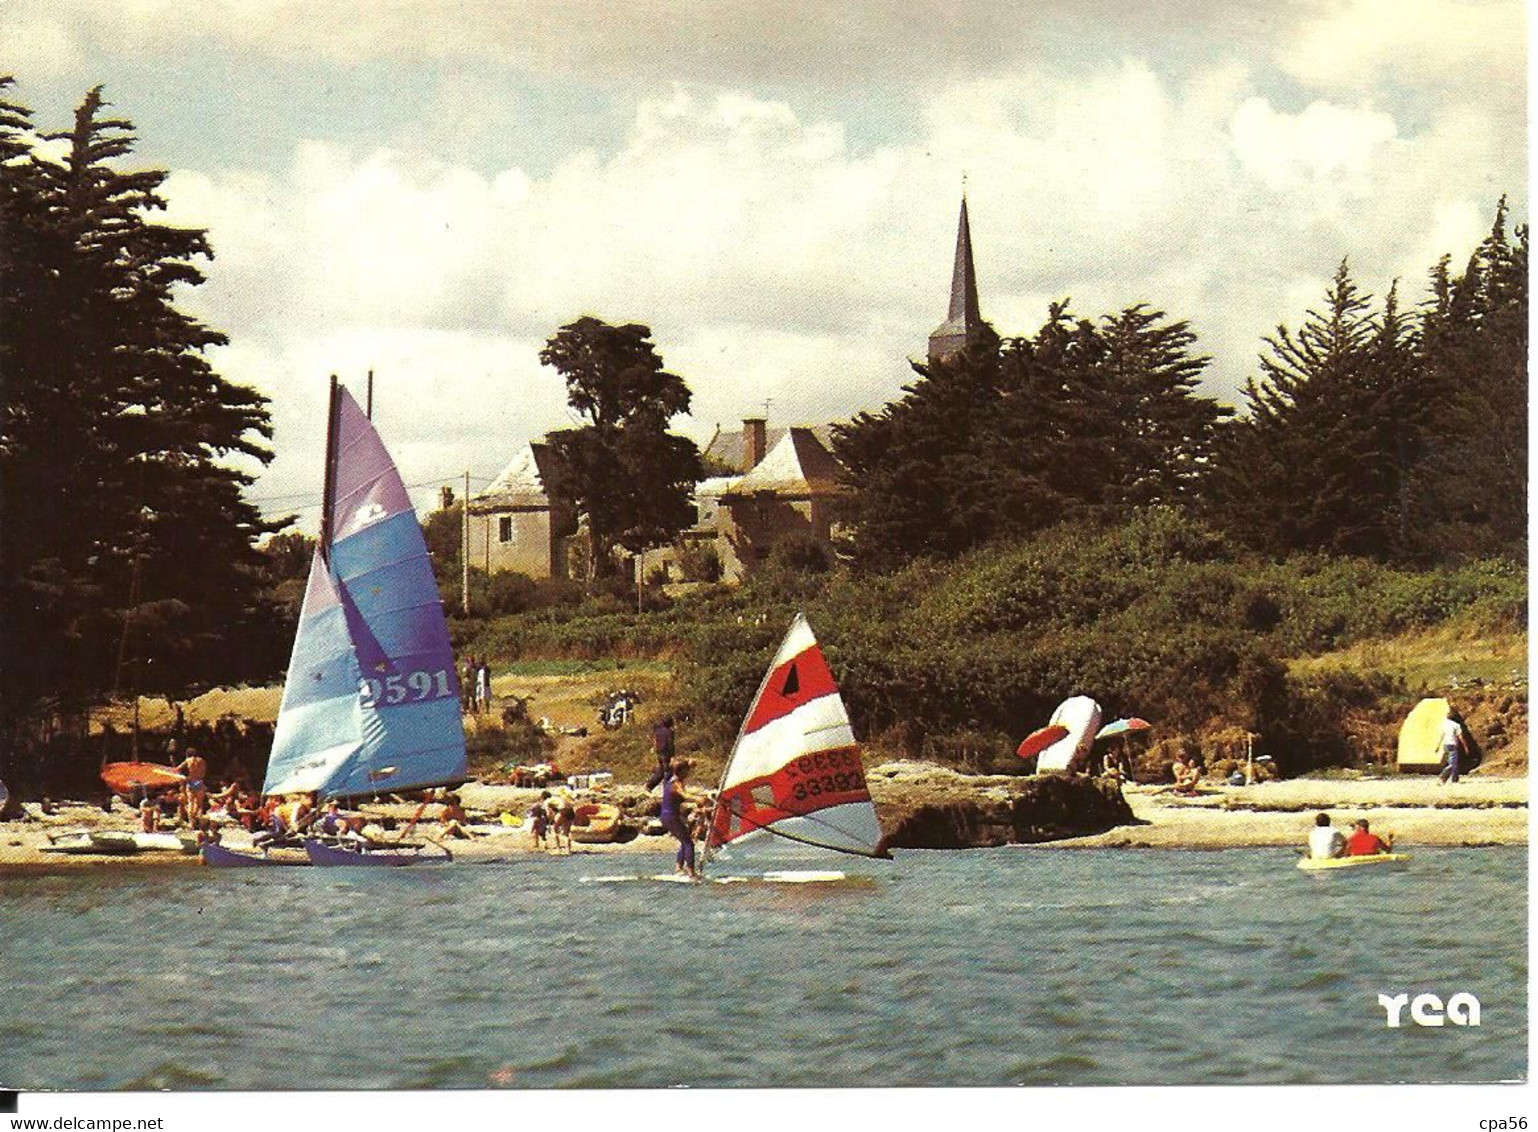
{"points": [[988, 967]]}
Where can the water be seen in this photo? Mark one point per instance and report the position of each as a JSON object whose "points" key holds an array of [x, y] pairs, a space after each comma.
{"points": [[993, 967]]}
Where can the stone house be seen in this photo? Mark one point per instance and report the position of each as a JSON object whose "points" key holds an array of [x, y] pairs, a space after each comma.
{"points": [[783, 481], [517, 524]]}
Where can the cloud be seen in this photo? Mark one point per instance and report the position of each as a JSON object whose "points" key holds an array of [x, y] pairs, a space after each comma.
{"points": [[809, 44], [775, 258], [1324, 143], [1359, 44]]}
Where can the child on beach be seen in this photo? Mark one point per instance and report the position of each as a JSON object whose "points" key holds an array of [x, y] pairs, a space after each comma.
{"points": [[539, 819]]}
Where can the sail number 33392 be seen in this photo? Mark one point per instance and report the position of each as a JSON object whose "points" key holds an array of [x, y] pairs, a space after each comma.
{"points": [[826, 772], [398, 688]]}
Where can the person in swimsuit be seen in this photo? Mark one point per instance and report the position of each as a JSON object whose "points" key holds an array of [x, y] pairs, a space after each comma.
{"points": [[562, 817], [539, 819], [673, 815], [454, 819], [195, 789]]}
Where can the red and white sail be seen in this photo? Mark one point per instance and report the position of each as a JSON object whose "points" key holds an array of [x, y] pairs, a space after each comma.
{"points": [[794, 779]]}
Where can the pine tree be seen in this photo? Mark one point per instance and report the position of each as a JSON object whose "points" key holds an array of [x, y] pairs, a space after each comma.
{"points": [[122, 522], [919, 483], [1311, 467], [1474, 348], [1076, 421]]}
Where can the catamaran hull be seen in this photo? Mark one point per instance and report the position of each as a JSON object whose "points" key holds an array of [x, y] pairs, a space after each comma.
{"points": [[329, 856], [218, 857]]}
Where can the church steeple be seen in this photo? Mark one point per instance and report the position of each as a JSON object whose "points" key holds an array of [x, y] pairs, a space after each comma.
{"points": [[963, 325]]}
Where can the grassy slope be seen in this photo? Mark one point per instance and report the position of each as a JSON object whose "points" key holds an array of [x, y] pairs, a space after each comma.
{"points": [[1431, 661], [1481, 670]]}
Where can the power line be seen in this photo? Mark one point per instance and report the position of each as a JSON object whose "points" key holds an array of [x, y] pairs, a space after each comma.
{"points": [[437, 481]]}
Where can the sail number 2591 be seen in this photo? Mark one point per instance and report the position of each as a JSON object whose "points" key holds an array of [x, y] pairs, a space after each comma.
{"points": [[398, 688]]}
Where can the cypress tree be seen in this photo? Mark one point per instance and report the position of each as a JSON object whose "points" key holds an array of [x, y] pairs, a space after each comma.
{"points": [[1311, 467], [1474, 348], [127, 536]]}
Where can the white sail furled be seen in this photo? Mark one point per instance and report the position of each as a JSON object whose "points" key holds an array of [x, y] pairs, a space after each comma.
{"points": [[794, 784]]}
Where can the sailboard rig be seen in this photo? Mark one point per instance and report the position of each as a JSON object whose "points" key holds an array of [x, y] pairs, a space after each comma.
{"points": [[794, 786], [371, 701]]}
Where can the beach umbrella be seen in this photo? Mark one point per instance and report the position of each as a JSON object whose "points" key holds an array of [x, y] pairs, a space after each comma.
{"points": [[1122, 727]]}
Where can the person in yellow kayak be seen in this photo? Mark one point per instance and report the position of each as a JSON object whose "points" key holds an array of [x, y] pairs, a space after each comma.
{"points": [[1364, 843], [1324, 840]]}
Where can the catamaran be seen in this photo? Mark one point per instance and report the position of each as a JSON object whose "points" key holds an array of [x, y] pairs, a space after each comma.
{"points": [[794, 790], [371, 702]]}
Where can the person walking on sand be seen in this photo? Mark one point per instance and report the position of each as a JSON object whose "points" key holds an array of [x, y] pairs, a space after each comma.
{"points": [[662, 744], [1324, 840], [673, 786], [1453, 745]]}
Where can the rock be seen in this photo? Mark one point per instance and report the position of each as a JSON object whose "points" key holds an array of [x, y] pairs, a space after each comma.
{"points": [[931, 807]]}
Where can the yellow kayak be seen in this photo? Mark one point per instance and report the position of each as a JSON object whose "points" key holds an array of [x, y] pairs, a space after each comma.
{"points": [[1310, 864]]}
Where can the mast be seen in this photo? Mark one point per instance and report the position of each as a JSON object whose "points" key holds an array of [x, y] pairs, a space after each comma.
{"points": [[732, 754], [328, 504]]}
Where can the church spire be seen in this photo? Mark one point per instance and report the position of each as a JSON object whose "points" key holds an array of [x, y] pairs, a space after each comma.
{"points": [[963, 325]]}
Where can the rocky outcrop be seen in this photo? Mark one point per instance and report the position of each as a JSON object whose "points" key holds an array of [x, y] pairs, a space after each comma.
{"points": [[921, 806], [931, 807]]}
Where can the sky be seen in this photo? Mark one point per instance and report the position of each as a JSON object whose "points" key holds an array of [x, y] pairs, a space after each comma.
{"points": [[431, 189]]}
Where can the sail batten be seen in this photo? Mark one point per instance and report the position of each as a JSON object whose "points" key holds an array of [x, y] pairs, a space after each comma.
{"points": [[794, 774]]}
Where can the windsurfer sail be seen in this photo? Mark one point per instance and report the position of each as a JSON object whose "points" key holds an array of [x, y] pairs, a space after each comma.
{"points": [[794, 780], [371, 702]]}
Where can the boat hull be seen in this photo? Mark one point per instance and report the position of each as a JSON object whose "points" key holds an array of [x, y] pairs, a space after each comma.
{"points": [[218, 857], [1324, 864], [328, 856]]}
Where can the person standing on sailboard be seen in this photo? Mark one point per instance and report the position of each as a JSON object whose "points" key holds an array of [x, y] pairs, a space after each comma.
{"points": [[673, 779]]}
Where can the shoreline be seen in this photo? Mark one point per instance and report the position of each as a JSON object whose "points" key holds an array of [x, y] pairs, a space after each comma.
{"points": [[1419, 812]]}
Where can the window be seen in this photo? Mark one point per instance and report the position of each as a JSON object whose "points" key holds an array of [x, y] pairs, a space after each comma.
{"points": [[505, 529]]}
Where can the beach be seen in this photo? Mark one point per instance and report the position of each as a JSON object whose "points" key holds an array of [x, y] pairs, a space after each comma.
{"points": [[1417, 810]]}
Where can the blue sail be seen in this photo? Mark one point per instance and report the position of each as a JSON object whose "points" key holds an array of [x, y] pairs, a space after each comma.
{"points": [[402, 727], [320, 724]]}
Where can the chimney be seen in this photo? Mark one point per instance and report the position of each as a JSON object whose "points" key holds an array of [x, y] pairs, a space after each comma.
{"points": [[755, 434]]}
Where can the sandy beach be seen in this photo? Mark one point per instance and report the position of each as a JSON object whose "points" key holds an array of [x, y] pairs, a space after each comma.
{"points": [[1418, 811]]}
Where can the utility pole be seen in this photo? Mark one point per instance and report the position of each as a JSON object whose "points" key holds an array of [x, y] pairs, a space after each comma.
{"points": [[368, 409], [464, 547]]}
